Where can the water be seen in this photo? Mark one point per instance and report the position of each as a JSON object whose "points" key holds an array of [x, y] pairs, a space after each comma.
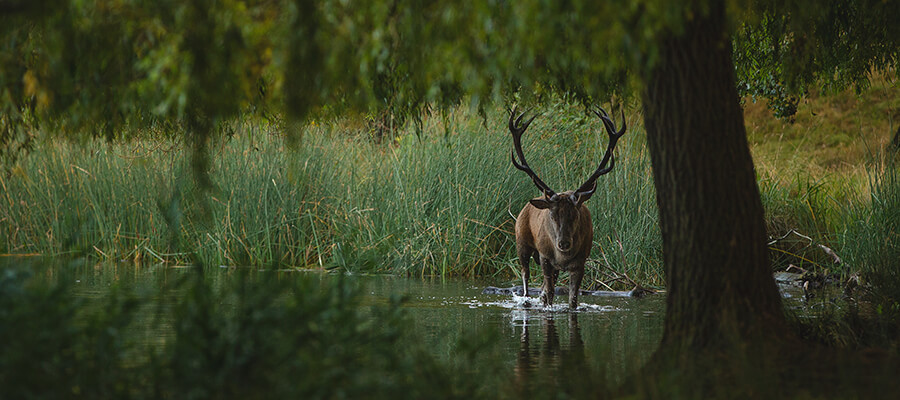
{"points": [[622, 331], [611, 336], [605, 339], [615, 335]]}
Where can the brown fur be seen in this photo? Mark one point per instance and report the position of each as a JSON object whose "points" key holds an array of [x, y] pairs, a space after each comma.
{"points": [[538, 236]]}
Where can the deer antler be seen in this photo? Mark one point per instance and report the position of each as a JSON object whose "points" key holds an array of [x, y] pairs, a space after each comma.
{"points": [[517, 129], [589, 186]]}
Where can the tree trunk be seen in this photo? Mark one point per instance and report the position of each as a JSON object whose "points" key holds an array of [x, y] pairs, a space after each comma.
{"points": [[721, 293]]}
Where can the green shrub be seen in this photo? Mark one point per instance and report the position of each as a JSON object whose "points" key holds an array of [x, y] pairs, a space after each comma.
{"points": [[223, 337]]}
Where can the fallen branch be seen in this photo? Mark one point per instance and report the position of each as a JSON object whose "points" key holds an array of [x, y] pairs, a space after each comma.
{"points": [[604, 284], [619, 277], [828, 251]]}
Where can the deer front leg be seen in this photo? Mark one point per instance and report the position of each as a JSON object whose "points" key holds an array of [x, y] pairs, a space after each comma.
{"points": [[548, 290], [575, 286], [524, 260]]}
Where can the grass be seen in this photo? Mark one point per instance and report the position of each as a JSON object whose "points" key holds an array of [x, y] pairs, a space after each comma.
{"points": [[872, 238], [820, 172], [439, 203], [437, 200], [834, 134]]}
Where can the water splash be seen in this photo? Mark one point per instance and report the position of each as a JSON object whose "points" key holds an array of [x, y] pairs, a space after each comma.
{"points": [[532, 304]]}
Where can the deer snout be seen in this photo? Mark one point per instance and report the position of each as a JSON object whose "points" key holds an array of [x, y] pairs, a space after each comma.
{"points": [[564, 245]]}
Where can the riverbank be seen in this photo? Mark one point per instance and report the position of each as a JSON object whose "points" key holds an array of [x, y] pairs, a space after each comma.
{"points": [[434, 200]]}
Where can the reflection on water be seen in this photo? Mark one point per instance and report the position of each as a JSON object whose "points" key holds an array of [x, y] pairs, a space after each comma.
{"points": [[499, 342], [607, 336], [546, 356]]}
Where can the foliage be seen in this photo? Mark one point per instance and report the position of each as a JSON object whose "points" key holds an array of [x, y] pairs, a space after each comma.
{"points": [[110, 68], [107, 67], [789, 46], [113, 68], [267, 337], [101, 66], [127, 61], [57, 346]]}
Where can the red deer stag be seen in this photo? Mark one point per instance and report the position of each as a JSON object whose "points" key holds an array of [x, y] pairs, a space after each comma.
{"points": [[556, 229]]}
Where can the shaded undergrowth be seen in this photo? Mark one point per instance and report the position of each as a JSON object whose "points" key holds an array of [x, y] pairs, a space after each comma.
{"points": [[266, 337]]}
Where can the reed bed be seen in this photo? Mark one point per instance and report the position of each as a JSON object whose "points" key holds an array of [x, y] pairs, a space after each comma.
{"points": [[437, 200]]}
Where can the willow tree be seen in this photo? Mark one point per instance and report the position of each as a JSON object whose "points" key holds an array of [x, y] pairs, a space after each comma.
{"points": [[200, 61], [109, 68]]}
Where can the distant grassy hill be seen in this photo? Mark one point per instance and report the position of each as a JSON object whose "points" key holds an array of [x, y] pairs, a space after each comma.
{"points": [[841, 133]]}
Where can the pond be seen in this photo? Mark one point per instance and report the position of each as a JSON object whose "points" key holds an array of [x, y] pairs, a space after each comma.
{"points": [[611, 334], [607, 336]]}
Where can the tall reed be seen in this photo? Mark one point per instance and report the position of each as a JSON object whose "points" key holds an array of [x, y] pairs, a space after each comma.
{"points": [[871, 240], [437, 202]]}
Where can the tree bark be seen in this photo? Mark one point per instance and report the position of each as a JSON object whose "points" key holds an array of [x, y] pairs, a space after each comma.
{"points": [[721, 293]]}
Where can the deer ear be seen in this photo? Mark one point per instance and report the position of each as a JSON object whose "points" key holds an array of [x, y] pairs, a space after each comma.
{"points": [[582, 197], [540, 204]]}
